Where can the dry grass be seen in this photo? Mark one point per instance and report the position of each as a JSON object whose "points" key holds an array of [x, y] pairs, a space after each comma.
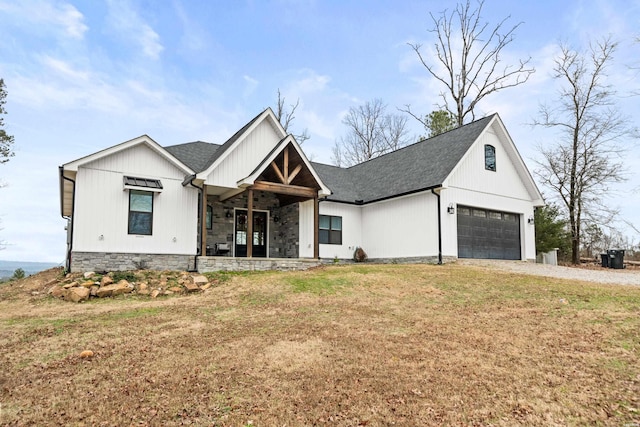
{"points": [[356, 345]]}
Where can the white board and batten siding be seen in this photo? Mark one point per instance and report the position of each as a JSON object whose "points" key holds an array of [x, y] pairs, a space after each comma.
{"points": [[401, 227], [470, 184], [241, 161], [102, 206]]}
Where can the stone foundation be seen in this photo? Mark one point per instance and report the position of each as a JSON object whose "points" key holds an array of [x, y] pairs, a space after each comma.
{"points": [[100, 261], [206, 264], [399, 260]]}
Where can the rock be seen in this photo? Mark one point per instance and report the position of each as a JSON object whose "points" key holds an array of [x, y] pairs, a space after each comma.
{"points": [[89, 274], [94, 290], [205, 286], [56, 291], [122, 287], [143, 286], [167, 293], [77, 294], [87, 354], [70, 285], [199, 279], [143, 291], [88, 284], [35, 293], [177, 289], [155, 293], [192, 287], [106, 280]]}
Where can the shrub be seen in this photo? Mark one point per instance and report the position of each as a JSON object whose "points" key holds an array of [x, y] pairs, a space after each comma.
{"points": [[359, 255]]}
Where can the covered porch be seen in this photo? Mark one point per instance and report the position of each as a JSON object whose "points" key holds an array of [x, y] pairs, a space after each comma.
{"points": [[256, 226]]}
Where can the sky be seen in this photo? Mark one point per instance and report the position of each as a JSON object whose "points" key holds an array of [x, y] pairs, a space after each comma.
{"points": [[85, 75]]}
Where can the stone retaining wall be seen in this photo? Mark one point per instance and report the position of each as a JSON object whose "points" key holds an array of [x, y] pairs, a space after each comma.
{"points": [[101, 261], [206, 264]]}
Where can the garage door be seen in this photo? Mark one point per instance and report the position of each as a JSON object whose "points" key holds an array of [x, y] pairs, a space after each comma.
{"points": [[488, 234]]}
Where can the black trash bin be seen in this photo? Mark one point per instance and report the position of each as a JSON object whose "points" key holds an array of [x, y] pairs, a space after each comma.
{"points": [[605, 259], [616, 258]]}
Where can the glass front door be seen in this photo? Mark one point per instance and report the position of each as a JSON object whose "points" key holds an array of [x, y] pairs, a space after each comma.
{"points": [[259, 234]]}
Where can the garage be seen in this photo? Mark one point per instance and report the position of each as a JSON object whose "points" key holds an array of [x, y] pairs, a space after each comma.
{"points": [[488, 234]]}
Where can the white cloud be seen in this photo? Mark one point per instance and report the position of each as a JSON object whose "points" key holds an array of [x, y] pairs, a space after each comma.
{"points": [[250, 86], [60, 16], [127, 23]]}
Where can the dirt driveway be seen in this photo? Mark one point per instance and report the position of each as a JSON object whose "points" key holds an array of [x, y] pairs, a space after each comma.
{"points": [[604, 275]]}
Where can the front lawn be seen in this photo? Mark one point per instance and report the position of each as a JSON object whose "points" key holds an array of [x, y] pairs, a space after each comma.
{"points": [[339, 345]]}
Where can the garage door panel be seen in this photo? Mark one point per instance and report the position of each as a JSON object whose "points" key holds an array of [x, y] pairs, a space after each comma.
{"points": [[488, 234]]}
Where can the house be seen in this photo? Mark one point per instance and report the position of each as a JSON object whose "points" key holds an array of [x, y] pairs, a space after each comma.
{"points": [[463, 194]]}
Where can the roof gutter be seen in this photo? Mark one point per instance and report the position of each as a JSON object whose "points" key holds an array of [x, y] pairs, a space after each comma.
{"points": [[381, 199], [70, 218], [189, 181], [439, 227]]}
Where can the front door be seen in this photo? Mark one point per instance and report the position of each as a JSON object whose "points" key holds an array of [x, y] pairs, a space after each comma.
{"points": [[259, 233]]}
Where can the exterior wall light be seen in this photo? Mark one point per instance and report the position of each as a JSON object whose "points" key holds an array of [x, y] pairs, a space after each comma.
{"points": [[530, 220], [451, 209]]}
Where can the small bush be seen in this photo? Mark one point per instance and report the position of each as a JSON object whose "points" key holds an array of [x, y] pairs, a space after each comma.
{"points": [[359, 255]]}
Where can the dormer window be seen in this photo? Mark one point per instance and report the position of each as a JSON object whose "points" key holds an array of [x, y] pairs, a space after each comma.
{"points": [[490, 158]]}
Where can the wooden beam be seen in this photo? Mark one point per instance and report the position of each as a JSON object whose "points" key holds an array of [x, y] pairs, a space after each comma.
{"points": [[295, 172], [250, 223], [286, 165], [203, 222], [316, 228], [290, 190], [231, 193], [275, 168]]}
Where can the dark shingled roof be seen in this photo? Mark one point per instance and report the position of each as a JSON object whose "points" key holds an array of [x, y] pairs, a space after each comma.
{"points": [[416, 167], [196, 154]]}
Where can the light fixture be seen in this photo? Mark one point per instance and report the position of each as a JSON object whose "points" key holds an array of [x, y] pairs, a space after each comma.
{"points": [[276, 218], [451, 209], [530, 220], [228, 213]]}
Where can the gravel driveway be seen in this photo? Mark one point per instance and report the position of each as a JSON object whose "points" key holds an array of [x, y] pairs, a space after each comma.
{"points": [[605, 275]]}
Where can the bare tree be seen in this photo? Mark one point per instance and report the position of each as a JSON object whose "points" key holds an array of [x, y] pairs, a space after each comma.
{"points": [[371, 132], [580, 166], [470, 52], [286, 118]]}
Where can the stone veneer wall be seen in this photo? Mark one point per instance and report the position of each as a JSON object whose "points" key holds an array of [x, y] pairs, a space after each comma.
{"points": [[401, 260], [101, 261], [206, 264], [283, 235]]}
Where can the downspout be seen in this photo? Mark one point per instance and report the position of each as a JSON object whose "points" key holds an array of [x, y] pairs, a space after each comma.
{"points": [[71, 218], [202, 204], [439, 228]]}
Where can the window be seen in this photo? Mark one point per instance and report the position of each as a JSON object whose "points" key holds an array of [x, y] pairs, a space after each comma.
{"points": [[490, 158], [330, 230], [140, 212], [209, 217]]}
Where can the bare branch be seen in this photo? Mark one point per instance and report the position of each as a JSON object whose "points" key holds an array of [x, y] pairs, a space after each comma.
{"points": [[582, 164], [474, 70]]}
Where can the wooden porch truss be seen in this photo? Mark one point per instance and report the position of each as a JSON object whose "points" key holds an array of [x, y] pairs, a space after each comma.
{"points": [[287, 176]]}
